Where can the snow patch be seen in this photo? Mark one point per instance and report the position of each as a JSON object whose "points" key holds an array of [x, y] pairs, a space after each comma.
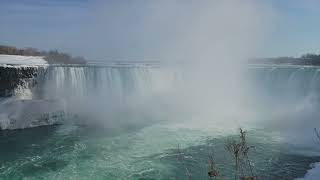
{"points": [[21, 60], [312, 174]]}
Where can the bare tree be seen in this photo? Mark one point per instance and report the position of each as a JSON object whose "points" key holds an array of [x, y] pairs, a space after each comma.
{"points": [[239, 151]]}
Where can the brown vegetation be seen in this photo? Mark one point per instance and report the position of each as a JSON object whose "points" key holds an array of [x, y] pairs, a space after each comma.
{"points": [[239, 151], [52, 57], [306, 59]]}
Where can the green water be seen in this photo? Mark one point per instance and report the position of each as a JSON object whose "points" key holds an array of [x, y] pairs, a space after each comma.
{"points": [[138, 152]]}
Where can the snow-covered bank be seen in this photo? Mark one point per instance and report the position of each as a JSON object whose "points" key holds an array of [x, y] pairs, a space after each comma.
{"points": [[22, 60], [312, 174]]}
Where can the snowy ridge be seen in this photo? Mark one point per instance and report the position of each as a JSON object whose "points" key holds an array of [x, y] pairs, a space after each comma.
{"points": [[7, 60]]}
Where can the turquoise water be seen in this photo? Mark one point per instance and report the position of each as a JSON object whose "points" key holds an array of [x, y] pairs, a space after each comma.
{"points": [[140, 152]]}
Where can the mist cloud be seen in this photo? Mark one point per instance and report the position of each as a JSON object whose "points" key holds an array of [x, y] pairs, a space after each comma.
{"points": [[176, 30]]}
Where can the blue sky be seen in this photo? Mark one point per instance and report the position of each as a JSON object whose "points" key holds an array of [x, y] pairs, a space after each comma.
{"points": [[117, 28], [295, 30]]}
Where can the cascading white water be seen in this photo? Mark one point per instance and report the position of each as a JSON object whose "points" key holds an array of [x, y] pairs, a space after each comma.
{"points": [[292, 82], [105, 92], [287, 100], [75, 81], [97, 92], [101, 90]]}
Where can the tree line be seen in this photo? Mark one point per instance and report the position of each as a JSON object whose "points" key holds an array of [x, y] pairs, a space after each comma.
{"points": [[52, 56], [306, 59]]}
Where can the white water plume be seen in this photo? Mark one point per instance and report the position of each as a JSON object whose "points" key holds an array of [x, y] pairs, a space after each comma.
{"points": [[209, 40]]}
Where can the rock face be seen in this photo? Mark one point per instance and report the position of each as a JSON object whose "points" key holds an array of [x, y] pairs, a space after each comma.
{"points": [[13, 77]]}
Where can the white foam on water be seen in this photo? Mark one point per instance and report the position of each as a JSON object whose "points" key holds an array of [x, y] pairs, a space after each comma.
{"points": [[312, 174]]}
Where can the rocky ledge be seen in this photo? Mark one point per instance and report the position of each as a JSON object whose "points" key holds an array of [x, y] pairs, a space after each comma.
{"points": [[12, 77]]}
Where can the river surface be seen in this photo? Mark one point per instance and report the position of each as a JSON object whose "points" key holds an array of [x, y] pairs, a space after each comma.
{"points": [[150, 152]]}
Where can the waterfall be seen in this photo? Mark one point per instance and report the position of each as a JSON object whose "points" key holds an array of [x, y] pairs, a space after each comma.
{"points": [[94, 91], [291, 82], [105, 90], [287, 100], [74, 82]]}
